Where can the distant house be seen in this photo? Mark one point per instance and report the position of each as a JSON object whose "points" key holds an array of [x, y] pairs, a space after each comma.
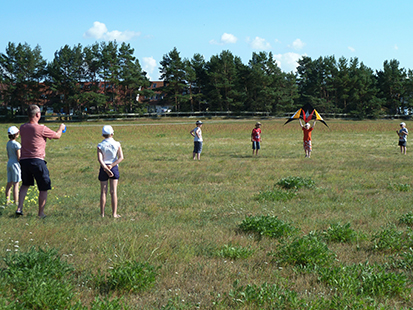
{"points": [[155, 102]]}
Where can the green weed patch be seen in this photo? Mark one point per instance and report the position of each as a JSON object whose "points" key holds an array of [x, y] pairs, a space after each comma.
{"points": [[267, 226]]}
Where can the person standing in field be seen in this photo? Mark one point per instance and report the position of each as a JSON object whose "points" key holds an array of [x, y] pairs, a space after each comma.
{"points": [[109, 154], [33, 152], [13, 167], [197, 134], [256, 138], [402, 133], [307, 137]]}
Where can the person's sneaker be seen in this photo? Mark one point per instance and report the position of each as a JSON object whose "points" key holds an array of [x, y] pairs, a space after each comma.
{"points": [[19, 213]]}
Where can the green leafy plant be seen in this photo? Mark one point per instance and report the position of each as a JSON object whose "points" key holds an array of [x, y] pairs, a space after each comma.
{"points": [[339, 233], [403, 260], [406, 219], [276, 195], [295, 183], [391, 239], [400, 187], [128, 276], [306, 251], [38, 279], [234, 252], [365, 280], [269, 296], [267, 226]]}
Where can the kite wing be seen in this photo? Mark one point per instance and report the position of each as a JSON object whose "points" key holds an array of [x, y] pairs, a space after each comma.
{"points": [[307, 113]]}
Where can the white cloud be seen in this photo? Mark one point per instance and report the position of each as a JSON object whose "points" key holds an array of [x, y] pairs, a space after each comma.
{"points": [[298, 44], [149, 65], [352, 49], [396, 47], [226, 38], [97, 31], [259, 44], [289, 61], [100, 31]]}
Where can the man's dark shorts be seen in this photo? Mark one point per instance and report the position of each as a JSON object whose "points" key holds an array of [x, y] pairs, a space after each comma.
{"points": [[35, 169], [103, 176], [402, 143]]}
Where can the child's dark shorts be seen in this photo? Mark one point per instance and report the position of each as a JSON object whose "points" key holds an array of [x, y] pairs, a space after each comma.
{"points": [[35, 169], [402, 143], [103, 176], [256, 145], [197, 146]]}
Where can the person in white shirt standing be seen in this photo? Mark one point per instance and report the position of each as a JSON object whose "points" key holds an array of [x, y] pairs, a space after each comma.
{"points": [[402, 133], [197, 134], [110, 155]]}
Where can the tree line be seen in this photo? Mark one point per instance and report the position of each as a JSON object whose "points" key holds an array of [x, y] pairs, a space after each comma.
{"points": [[106, 76]]}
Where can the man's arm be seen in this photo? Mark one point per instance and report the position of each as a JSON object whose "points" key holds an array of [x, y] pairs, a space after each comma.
{"points": [[59, 131]]}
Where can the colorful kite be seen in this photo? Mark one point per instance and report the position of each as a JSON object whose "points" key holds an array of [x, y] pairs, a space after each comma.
{"points": [[307, 113]]}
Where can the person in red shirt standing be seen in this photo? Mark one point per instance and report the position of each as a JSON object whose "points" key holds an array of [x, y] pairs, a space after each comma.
{"points": [[256, 138], [33, 151], [307, 137]]}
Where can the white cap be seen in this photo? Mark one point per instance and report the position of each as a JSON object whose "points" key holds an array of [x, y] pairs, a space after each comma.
{"points": [[107, 130], [12, 130], [402, 124]]}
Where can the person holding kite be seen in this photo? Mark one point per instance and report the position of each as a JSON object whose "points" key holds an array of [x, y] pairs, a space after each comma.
{"points": [[402, 133], [307, 129], [307, 113]]}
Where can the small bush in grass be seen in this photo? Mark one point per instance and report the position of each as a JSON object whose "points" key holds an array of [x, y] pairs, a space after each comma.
{"points": [[276, 195], [267, 296], [339, 233], [306, 251], [365, 280], [106, 303], [406, 219], [128, 276], [234, 252], [295, 183], [391, 239], [37, 279], [403, 260], [400, 187], [267, 226]]}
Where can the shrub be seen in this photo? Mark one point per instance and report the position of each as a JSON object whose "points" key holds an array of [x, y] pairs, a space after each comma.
{"points": [[306, 251], [276, 195], [234, 252], [267, 226], [128, 276], [268, 296], [295, 183], [400, 187], [406, 219], [403, 260], [38, 279], [391, 239], [365, 280], [339, 233]]}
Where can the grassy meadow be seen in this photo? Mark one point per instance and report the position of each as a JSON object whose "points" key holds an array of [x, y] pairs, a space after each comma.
{"points": [[232, 231]]}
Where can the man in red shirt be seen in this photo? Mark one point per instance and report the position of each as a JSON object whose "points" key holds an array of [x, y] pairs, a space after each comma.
{"points": [[33, 151], [307, 137]]}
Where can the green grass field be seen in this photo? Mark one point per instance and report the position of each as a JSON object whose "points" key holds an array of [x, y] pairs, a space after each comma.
{"points": [[224, 232]]}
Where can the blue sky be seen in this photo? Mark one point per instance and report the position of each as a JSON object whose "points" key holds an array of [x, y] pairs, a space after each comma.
{"points": [[373, 31]]}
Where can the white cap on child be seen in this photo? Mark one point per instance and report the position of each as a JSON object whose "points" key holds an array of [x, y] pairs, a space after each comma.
{"points": [[107, 130], [12, 130]]}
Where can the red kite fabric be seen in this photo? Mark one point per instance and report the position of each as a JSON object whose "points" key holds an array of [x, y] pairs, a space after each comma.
{"points": [[307, 113]]}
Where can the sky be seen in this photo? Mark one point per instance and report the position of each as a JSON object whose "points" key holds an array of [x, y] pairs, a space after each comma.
{"points": [[372, 31]]}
